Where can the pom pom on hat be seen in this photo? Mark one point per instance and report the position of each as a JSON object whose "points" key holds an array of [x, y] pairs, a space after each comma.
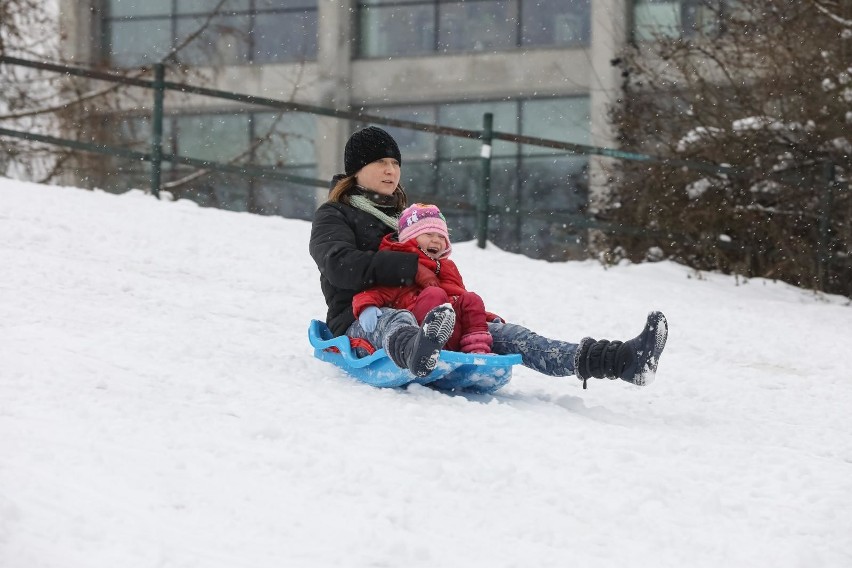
{"points": [[368, 145], [423, 218]]}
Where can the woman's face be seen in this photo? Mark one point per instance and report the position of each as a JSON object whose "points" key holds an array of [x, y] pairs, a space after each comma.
{"points": [[381, 176]]}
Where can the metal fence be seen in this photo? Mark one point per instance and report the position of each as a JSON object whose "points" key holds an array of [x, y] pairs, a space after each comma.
{"points": [[156, 156]]}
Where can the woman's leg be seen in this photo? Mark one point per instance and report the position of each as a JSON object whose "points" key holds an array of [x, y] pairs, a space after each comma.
{"points": [[548, 356], [634, 361]]}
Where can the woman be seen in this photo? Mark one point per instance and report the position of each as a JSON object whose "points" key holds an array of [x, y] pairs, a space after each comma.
{"points": [[362, 208]]}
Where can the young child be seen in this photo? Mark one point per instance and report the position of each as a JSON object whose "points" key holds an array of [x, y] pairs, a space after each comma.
{"points": [[423, 230]]}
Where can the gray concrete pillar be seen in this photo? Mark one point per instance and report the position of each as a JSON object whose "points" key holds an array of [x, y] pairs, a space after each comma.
{"points": [[79, 24], [336, 23], [609, 35]]}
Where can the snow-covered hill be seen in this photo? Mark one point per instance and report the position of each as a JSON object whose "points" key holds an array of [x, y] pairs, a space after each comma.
{"points": [[160, 407]]}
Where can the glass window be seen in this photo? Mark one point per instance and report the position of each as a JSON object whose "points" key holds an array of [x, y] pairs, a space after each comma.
{"points": [[477, 25], [213, 189], [224, 40], [139, 42], [653, 18], [229, 191], [415, 27], [700, 18], [397, 30], [567, 120], [121, 8], [219, 138], [135, 132], [289, 139], [675, 18], [554, 183], [207, 6], [420, 180], [291, 200], [557, 22], [381, 2], [504, 183], [285, 4], [535, 191], [285, 36], [244, 31], [469, 116]]}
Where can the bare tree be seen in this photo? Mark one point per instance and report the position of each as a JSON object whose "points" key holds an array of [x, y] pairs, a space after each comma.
{"points": [[94, 111], [28, 30], [768, 94]]}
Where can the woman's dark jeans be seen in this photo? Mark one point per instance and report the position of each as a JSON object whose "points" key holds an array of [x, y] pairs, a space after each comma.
{"points": [[547, 356]]}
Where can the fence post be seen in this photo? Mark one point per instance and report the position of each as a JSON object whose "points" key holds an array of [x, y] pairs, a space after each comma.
{"points": [[157, 129], [826, 203], [484, 192]]}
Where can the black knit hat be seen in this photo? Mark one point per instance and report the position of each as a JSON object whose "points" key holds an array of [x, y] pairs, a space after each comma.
{"points": [[367, 146]]}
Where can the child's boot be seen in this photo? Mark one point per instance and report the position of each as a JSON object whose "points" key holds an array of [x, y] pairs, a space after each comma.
{"points": [[634, 361], [418, 349]]}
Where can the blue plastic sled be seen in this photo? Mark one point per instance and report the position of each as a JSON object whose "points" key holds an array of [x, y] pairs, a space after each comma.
{"points": [[457, 372]]}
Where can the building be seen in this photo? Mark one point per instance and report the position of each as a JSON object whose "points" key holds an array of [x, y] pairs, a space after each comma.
{"points": [[542, 67]]}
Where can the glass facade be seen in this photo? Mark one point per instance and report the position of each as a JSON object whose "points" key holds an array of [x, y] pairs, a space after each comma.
{"points": [[534, 191], [283, 141], [654, 19], [241, 32], [422, 27]]}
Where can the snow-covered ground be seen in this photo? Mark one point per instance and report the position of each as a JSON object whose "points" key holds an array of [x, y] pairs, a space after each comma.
{"points": [[160, 407]]}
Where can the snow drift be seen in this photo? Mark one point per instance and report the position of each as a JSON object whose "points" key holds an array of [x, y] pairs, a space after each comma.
{"points": [[159, 406]]}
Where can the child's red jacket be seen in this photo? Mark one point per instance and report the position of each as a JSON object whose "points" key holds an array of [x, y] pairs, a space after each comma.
{"points": [[403, 297]]}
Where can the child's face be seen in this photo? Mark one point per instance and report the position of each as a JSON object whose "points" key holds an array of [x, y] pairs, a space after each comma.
{"points": [[432, 244]]}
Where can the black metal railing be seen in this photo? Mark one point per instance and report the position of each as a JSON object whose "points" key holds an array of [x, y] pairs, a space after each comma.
{"points": [[156, 156]]}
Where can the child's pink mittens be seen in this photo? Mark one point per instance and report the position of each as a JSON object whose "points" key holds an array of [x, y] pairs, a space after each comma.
{"points": [[476, 342]]}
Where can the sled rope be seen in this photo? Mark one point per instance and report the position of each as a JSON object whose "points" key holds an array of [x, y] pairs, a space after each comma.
{"points": [[355, 343]]}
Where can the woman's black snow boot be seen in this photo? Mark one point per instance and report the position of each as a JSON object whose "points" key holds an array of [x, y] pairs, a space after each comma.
{"points": [[418, 349], [634, 361]]}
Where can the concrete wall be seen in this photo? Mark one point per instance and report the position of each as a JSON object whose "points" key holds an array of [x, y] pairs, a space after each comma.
{"points": [[470, 77], [336, 81], [609, 35], [79, 22]]}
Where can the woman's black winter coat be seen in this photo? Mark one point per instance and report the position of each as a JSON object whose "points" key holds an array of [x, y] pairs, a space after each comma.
{"points": [[345, 245]]}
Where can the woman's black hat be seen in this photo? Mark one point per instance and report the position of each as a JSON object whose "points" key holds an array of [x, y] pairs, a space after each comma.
{"points": [[367, 146]]}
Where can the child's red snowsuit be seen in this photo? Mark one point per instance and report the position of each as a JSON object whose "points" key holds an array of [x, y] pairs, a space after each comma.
{"points": [[471, 317]]}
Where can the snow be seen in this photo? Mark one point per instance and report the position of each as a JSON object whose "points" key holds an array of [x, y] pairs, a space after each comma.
{"points": [[160, 407], [698, 188]]}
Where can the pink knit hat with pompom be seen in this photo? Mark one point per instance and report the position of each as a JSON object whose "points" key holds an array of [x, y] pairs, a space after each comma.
{"points": [[423, 218]]}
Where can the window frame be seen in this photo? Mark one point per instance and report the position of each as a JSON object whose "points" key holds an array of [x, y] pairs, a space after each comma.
{"points": [[516, 159], [519, 40], [678, 30], [255, 9]]}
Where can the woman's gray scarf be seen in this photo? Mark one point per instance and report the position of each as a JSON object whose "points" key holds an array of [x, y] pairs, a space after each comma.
{"points": [[364, 204]]}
